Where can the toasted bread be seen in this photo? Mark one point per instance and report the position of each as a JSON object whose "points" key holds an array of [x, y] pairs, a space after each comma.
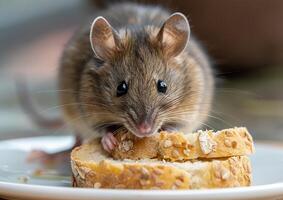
{"points": [[176, 146], [93, 168]]}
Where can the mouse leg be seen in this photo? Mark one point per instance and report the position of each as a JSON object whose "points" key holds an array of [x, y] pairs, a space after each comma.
{"points": [[108, 142], [50, 158]]}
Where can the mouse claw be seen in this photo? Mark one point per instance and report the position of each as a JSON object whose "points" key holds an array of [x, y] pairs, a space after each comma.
{"points": [[108, 142]]}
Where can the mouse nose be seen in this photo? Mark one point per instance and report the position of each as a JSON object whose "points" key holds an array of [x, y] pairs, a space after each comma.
{"points": [[144, 128]]}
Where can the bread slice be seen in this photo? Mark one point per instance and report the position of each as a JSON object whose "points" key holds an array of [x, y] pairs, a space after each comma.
{"points": [[179, 147], [93, 168]]}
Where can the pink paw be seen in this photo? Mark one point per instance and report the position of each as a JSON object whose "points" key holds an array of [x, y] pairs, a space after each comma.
{"points": [[108, 142]]}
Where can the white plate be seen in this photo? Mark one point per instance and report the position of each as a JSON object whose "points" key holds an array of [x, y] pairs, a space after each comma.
{"points": [[267, 172]]}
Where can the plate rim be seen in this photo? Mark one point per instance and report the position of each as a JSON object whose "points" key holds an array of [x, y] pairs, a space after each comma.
{"points": [[269, 190]]}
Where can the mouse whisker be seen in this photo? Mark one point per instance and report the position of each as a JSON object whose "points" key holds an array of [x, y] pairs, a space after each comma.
{"points": [[53, 91], [61, 106], [65, 126], [236, 91], [181, 120], [232, 118]]}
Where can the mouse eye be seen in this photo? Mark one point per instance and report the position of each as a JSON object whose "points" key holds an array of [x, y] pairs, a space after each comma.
{"points": [[122, 89], [161, 86]]}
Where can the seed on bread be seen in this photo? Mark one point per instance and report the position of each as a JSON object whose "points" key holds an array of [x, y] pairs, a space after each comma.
{"points": [[181, 178], [178, 183], [167, 143], [126, 145], [207, 145], [227, 143], [225, 174], [144, 182], [157, 171], [233, 170], [97, 185], [228, 133], [123, 137], [217, 174], [243, 134], [195, 181], [145, 173], [159, 183], [217, 169], [178, 145], [247, 167], [175, 153], [186, 152]]}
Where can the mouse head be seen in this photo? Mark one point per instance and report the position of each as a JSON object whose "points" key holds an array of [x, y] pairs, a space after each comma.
{"points": [[138, 76]]}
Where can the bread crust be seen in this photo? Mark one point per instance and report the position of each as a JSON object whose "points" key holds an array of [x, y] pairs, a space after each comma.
{"points": [[93, 168], [176, 146]]}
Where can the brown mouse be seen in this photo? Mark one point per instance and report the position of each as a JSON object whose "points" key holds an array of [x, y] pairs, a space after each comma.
{"points": [[136, 67]]}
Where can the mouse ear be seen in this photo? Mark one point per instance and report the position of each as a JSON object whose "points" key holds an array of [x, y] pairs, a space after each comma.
{"points": [[174, 34], [103, 38]]}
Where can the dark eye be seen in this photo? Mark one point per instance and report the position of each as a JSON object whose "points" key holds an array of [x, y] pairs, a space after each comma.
{"points": [[122, 89], [161, 86]]}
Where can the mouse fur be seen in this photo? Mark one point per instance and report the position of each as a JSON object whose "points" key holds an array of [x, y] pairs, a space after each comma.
{"points": [[88, 80]]}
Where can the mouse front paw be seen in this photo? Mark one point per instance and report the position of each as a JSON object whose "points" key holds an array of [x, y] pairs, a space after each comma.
{"points": [[108, 142]]}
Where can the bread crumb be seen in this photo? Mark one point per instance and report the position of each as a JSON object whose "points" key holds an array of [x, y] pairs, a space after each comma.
{"points": [[23, 179]]}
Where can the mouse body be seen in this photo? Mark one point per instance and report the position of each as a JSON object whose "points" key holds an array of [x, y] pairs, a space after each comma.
{"points": [[136, 67]]}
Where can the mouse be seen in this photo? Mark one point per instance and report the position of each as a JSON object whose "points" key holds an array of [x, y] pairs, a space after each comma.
{"points": [[131, 66], [136, 67]]}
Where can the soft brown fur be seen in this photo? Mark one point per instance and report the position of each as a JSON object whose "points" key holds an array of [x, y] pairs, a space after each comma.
{"points": [[88, 86]]}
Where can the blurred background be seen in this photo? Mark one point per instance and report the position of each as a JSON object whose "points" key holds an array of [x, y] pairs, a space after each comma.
{"points": [[243, 38]]}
